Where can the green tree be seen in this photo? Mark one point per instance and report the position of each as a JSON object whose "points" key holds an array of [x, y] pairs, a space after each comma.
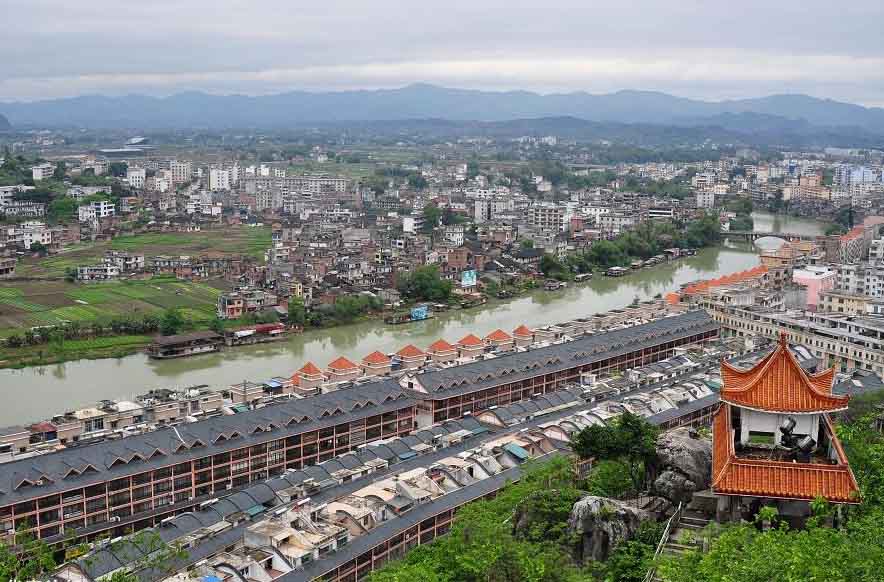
{"points": [[62, 208], [297, 311], [432, 215], [172, 321], [118, 169], [551, 266], [39, 248], [31, 559], [59, 172], [629, 439], [425, 284]]}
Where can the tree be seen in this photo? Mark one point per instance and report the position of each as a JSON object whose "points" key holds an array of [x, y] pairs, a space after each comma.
{"points": [[59, 172], [62, 208], [31, 559], [551, 266], [425, 284], [39, 248], [172, 321], [417, 181], [432, 215], [297, 312], [630, 439], [118, 169], [217, 325]]}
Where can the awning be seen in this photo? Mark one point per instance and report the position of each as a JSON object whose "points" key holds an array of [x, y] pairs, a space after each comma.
{"points": [[255, 510], [517, 451]]}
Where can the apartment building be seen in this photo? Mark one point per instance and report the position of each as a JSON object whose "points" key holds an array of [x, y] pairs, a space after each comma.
{"points": [[87, 491], [452, 392], [547, 217], [863, 278], [96, 210], [706, 198], [237, 303], [136, 177], [845, 341], [7, 267], [103, 272], [181, 171], [42, 171]]}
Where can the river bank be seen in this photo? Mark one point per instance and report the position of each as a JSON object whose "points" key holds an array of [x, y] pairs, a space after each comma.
{"points": [[41, 390]]}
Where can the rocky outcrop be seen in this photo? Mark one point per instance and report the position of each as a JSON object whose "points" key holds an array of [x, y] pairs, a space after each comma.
{"points": [[685, 464], [601, 524]]}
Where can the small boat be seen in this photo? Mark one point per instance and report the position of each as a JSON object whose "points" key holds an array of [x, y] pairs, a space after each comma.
{"points": [[582, 277], [616, 272], [553, 285]]}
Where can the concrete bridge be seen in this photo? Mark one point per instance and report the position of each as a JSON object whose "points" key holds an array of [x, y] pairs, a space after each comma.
{"points": [[753, 235]]}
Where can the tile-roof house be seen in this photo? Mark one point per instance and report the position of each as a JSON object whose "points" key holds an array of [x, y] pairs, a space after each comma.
{"points": [[523, 336], [499, 340], [470, 346], [376, 364], [309, 376], [441, 351], [342, 369], [411, 357]]}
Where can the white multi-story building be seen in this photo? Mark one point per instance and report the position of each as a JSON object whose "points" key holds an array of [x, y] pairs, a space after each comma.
{"points": [[97, 272], [705, 199], [549, 217], [219, 179], [136, 177], [42, 171], [96, 210], [27, 233], [181, 171]]}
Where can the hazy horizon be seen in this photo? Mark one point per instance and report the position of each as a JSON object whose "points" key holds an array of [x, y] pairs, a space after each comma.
{"points": [[707, 51]]}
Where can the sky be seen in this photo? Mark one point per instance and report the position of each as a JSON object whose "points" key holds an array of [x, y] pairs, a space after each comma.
{"points": [[708, 49]]}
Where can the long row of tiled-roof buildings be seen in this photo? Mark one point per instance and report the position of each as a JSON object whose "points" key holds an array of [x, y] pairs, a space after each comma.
{"points": [[115, 486]]}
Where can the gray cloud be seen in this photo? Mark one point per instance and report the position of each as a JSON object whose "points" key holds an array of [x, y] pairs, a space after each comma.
{"points": [[710, 49]]}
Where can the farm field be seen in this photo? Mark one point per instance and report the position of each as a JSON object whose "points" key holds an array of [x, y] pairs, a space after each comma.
{"points": [[25, 304], [251, 241]]}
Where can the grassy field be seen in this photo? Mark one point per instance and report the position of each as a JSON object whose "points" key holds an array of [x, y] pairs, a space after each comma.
{"points": [[251, 241], [26, 304], [103, 347]]}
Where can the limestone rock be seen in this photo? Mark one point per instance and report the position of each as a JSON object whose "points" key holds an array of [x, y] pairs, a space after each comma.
{"points": [[601, 524], [685, 463]]}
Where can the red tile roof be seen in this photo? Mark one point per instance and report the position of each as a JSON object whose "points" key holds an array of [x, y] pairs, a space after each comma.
{"points": [[296, 380], [440, 345], [778, 383], [409, 351], [310, 369], [732, 475], [342, 363], [376, 358], [739, 277], [470, 340], [498, 335], [523, 331]]}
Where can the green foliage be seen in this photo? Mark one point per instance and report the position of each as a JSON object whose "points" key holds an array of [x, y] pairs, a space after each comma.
{"points": [[32, 559], [118, 169], [59, 172], [297, 311], [62, 208], [629, 562], [432, 215], [629, 439], [417, 181], [552, 267], [609, 479], [425, 284], [742, 223], [172, 321]]}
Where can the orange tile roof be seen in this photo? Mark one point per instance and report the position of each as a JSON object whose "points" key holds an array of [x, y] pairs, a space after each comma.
{"points": [[739, 277], [440, 345], [732, 475], [310, 369], [409, 351], [376, 357], [673, 298], [296, 380], [498, 335], [523, 331], [470, 340], [778, 383], [341, 363], [854, 233]]}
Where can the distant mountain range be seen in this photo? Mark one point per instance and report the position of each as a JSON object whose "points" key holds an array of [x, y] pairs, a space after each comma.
{"points": [[299, 108]]}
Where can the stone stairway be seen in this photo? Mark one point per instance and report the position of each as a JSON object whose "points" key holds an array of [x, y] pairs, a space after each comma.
{"points": [[685, 537]]}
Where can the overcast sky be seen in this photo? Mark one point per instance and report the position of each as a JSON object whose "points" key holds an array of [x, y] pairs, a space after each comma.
{"points": [[708, 49]]}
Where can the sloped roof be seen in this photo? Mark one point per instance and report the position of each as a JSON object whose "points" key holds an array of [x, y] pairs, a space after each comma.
{"points": [[310, 369], [523, 331], [778, 383], [732, 475], [409, 351], [440, 345], [341, 363], [376, 357], [470, 340], [498, 335]]}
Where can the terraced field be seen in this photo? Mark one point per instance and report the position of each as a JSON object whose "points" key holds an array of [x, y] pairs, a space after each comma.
{"points": [[29, 304]]}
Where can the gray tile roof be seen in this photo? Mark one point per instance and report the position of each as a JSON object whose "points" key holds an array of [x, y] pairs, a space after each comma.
{"points": [[185, 442], [517, 366]]}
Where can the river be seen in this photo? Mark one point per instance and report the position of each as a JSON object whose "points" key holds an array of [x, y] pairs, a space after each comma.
{"points": [[37, 392], [774, 223]]}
